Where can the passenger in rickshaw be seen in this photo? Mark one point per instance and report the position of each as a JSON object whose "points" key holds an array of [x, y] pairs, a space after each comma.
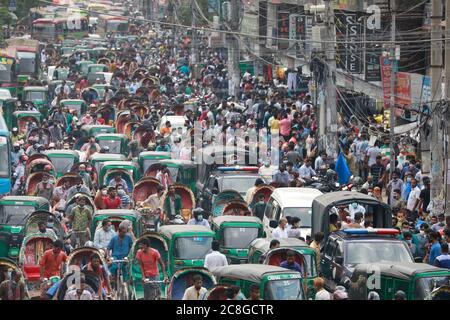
{"points": [[80, 216], [154, 201], [74, 293], [16, 135], [118, 180], [44, 188], [103, 235], [163, 175], [124, 197], [82, 171], [290, 262], [95, 266], [42, 228], [196, 291], [79, 187], [13, 287], [91, 145], [112, 201], [198, 219], [172, 204]]}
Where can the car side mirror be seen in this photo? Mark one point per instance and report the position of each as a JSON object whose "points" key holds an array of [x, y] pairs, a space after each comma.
{"points": [[273, 224], [339, 260]]}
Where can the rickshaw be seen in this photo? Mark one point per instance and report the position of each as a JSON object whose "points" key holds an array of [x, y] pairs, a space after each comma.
{"points": [[71, 178], [140, 135], [38, 164], [39, 96], [98, 159], [14, 211], [265, 190], [128, 170], [32, 181], [74, 104], [181, 247], [275, 283], [236, 208], [80, 257], [94, 130], [417, 280], [129, 128], [90, 95], [116, 216], [63, 160], [43, 134], [259, 252], [145, 188], [8, 264], [183, 279], [379, 213], [187, 200], [147, 158], [222, 199], [235, 233], [123, 117], [108, 113], [93, 285], [102, 87], [181, 171], [117, 142], [21, 118], [33, 219]]}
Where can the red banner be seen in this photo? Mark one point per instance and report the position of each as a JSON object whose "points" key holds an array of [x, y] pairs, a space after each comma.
{"points": [[403, 87], [386, 70]]}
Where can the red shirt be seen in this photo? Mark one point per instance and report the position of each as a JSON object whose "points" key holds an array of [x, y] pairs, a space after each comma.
{"points": [[112, 203], [52, 263], [149, 260]]}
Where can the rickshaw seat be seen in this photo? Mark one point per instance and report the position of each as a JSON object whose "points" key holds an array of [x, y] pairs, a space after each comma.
{"points": [[33, 273]]}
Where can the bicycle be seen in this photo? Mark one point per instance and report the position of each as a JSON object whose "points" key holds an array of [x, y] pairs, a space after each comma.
{"points": [[156, 289], [121, 286]]}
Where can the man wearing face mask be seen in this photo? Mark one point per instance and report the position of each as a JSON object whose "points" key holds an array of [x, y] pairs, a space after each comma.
{"points": [[85, 176], [79, 187], [198, 219], [394, 184], [13, 288], [81, 217], [104, 235], [44, 188]]}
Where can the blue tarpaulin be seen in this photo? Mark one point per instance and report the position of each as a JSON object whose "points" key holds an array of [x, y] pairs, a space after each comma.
{"points": [[342, 170]]}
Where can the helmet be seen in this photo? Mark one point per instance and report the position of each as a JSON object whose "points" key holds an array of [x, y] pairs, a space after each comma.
{"points": [[23, 157]]}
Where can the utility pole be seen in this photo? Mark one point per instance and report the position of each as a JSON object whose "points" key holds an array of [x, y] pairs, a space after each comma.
{"points": [[447, 89], [437, 191], [393, 59], [194, 40], [234, 73], [330, 84]]}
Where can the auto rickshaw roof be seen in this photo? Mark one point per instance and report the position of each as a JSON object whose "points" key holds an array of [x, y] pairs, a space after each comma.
{"points": [[127, 164], [252, 272], [114, 136], [263, 244], [149, 154], [108, 157], [177, 162], [39, 200], [26, 113], [229, 218], [88, 127], [117, 212], [402, 270], [72, 101], [61, 152], [171, 230], [35, 88]]}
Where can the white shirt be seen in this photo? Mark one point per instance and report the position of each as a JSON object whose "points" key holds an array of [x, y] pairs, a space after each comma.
{"points": [[372, 153], [192, 294], [323, 295], [72, 295], [102, 237], [215, 259], [306, 172], [359, 208], [413, 197], [278, 233]]}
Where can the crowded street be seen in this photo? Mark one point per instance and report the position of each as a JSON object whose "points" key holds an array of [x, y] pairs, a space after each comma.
{"points": [[143, 157]]}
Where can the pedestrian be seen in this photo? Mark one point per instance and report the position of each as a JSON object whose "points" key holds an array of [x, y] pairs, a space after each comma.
{"points": [[315, 244], [281, 231], [412, 204], [215, 258], [434, 247]]}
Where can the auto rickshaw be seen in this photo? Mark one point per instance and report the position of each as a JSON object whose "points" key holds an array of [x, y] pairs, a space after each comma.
{"points": [[117, 142], [74, 104], [128, 170], [39, 97], [21, 118], [259, 252], [235, 233], [116, 216], [187, 200], [63, 160], [417, 280], [8, 106], [181, 171], [147, 158], [275, 283], [94, 130], [33, 179], [224, 198], [98, 159], [180, 246], [183, 279], [14, 211]]}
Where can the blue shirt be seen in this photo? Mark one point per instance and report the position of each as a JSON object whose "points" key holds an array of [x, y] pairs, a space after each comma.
{"points": [[120, 247], [295, 266], [434, 252], [444, 260]]}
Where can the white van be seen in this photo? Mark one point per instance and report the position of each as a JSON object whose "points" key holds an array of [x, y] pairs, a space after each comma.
{"points": [[294, 202]]}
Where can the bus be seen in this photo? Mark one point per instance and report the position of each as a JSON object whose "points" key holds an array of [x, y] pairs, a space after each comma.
{"points": [[8, 75], [112, 24], [49, 30], [5, 155]]}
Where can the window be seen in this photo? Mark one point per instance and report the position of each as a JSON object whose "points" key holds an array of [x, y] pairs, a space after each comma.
{"points": [[373, 252], [339, 248], [329, 248], [286, 289], [269, 208], [192, 248], [239, 237]]}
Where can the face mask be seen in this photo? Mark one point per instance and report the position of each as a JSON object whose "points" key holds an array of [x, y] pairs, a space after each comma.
{"points": [[408, 180], [81, 205], [422, 232], [199, 217]]}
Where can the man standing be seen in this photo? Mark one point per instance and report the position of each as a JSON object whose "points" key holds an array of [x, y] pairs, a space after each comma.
{"points": [[443, 260], [148, 259], [259, 207], [215, 259], [434, 247], [104, 235], [393, 185], [413, 201], [81, 217], [281, 230], [197, 291], [315, 244], [377, 171], [424, 197]]}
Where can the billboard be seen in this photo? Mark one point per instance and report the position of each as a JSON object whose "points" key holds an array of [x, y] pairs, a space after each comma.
{"points": [[349, 33]]}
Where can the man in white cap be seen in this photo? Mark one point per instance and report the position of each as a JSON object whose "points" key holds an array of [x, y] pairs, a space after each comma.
{"points": [[16, 153], [15, 137]]}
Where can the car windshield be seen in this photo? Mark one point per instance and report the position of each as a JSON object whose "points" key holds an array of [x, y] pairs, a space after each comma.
{"points": [[240, 238], [285, 289], [424, 286], [62, 164], [114, 145], [27, 62], [239, 183], [191, 248], [303, 213], [14, 215], [373, 252], [5, 94]]}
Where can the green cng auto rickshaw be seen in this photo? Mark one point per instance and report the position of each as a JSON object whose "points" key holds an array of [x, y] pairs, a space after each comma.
{"points": [[117, 142], [181, 171], [21, 118], [147, 158], [13, 214], [98, 159], [63, 160], [129, 171], [235, 233], [94, 130], [275, 283], [82, 67], [116, 216], [417, 280], [8, 106], [39, 97], [260, 252], [74, 104]]}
